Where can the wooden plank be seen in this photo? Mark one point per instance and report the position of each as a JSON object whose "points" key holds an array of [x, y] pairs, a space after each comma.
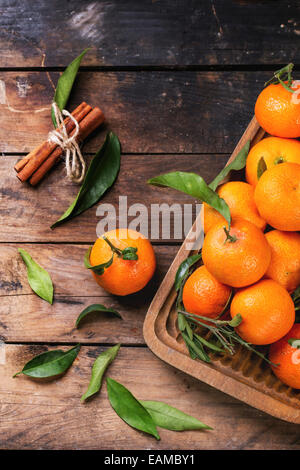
{"points": [[27, 213], [151, 112], [135, 33], [24, 317], [50, 416]]}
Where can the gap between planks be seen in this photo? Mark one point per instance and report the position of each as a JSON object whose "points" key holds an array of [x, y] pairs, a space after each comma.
{"points": [[158, 68]]}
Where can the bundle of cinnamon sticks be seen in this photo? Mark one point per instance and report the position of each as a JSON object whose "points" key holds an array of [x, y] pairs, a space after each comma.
{"points": [[37, 163]]}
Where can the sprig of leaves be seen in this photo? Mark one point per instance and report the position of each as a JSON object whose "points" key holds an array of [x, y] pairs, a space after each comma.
{"points": [[38, 278], [65, 84], [281, 76], [129, 253]]}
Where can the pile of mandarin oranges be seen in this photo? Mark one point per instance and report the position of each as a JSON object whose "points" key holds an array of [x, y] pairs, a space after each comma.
{"points": [[254, 263], [258, 260]]}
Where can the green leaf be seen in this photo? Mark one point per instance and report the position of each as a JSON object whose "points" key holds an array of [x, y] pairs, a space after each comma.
{"points": [[98, 308], [183, 270], [237, 164], [195, 186], [99, 269], [182, 322], [65, 84], [130, 253], [50, 363], [100, 176], [261, 167], [38, 278], [99, 367], [236, 321], [129, 408], [167, 417], [208, 344], [195, 348]]}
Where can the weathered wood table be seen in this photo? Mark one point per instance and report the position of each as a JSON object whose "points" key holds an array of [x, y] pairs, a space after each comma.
{"points": [[177, 82]]}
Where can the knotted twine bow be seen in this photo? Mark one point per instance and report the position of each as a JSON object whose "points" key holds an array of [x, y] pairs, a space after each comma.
{"points": [[75, 163]]}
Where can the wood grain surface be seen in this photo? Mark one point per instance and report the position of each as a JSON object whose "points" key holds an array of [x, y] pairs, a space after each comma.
{"points": [[27, 318], [50, 415], [38, 208], [154, 33], [177, 82], [151, 112]]}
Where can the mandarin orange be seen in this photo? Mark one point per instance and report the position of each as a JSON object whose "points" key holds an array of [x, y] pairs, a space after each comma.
{"points": [[278, 111], [284, 267], [287, 358], [267, 311], [123, 277], [238, 258], [277, 196], [204, 295], [239, 197]]}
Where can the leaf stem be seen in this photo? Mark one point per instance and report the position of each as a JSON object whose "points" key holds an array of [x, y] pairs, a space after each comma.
{"points": [[281, 76], [229, 238], [129, 253]]}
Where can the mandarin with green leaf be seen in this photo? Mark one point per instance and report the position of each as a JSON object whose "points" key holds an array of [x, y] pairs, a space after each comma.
{"points": [[133, 261], [278, 111]]}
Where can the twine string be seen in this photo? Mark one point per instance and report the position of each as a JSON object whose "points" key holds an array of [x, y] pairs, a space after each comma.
{"points": [[74, 161]]}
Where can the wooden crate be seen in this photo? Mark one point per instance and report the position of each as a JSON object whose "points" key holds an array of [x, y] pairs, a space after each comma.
{"points": [[244, 375]]}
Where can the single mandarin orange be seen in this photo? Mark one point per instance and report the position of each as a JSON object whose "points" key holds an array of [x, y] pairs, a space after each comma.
{"points": [[278, 111], [123, 277], [277, 196], [284, 267], [204, 295], [238, 258], [239, 197], [287, 358], [267, 311], [273, 150]]}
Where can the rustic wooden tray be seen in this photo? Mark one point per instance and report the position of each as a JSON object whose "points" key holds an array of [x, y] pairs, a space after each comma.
{"points": [[244, 375]]}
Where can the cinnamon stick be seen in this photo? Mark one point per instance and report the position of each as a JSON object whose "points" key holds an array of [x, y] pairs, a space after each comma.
{"points": [[88, 124], [34, 159]]}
